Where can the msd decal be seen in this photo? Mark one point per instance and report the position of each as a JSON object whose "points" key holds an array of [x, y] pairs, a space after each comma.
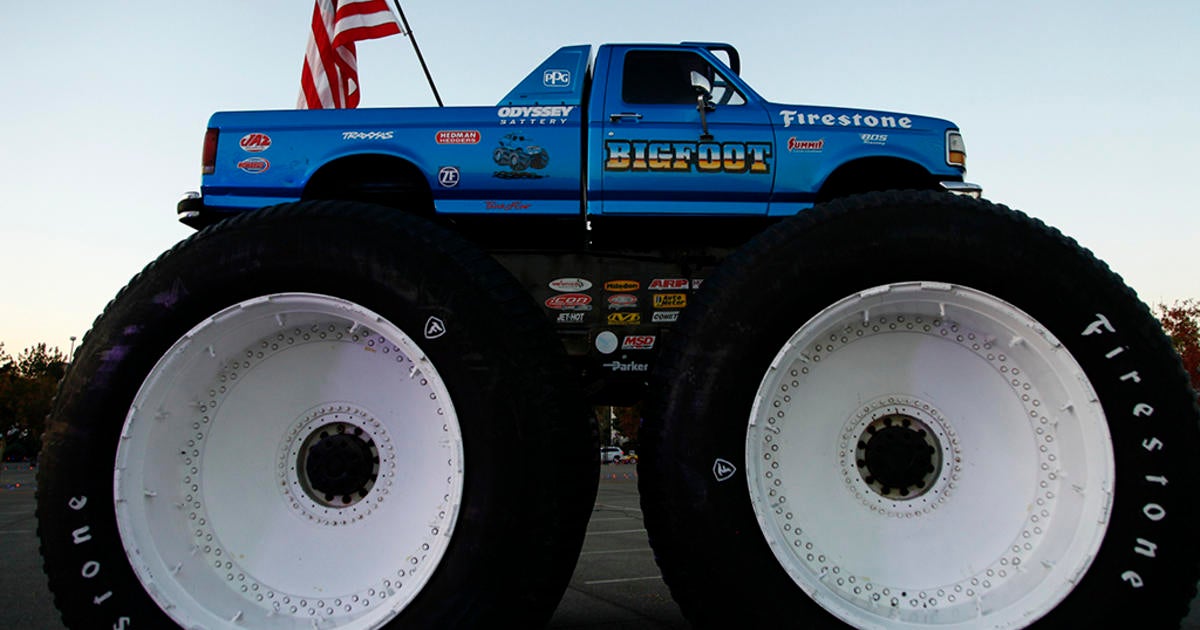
{"points": [[457, 137], [570, 284], [638, 342], [254, 165], [669, 284], [686, 157], [255, 142], [570, 302], [556, 78], [827, 119]]}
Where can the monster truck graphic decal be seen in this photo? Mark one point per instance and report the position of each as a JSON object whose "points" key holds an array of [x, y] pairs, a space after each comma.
{"points": [[517, 152]]}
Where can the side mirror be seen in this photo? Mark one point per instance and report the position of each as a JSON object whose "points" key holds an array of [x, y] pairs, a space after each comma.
{"points": [[704, 102]]}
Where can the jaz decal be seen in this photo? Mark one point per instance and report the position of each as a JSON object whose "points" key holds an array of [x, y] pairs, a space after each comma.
{"points": [[616, 286], [571, 318], [621, 301], [624, 319], [255, 142], [537, 115], [434, 328], [638, 342], [448, 176], [457, 137], [570, 302], [670, 300], [505, 205], [254, 165], [874, 138], [668, 284], [632, 366], [686, 157], [368, 135], [664, 317], [827, 119], [796, 145], [570, 284], [556, 78]]}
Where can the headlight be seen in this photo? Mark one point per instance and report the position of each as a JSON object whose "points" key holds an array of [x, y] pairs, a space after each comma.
{"points": [[956, 149]]}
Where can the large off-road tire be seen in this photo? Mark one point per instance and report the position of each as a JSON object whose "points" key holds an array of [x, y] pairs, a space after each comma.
{"points": [[913, 410], [306, 417]]}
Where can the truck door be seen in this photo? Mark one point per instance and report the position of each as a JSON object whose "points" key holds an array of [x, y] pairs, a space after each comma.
{"points": [[656, 157]]}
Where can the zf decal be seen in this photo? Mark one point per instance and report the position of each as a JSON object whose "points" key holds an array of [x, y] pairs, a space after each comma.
{"points": [[624, 319], [254, 165], [670, 300], [255, 142], [686, 157], [448, 176]]}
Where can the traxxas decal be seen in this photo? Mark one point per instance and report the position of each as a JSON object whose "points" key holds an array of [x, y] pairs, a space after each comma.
{"points": [[686, 157]]}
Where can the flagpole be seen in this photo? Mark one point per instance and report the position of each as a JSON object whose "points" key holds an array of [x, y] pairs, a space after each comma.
{"points": [[408, 31]]}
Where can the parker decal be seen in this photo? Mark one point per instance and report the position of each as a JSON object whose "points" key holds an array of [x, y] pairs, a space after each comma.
{"points": [[632, 366], [638, 342], [619, 301], [556, 78], [254, 165], [457, 137], [537, 115], [796, 145], [686, 157], [670, 300], [570, 302], [570, 284], [616, 286], [624, 319], [669, 284], [255, 142], [827, 119]]}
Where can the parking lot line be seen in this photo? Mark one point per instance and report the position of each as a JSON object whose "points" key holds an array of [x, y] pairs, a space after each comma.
{"points": [[619, 531], [619, 580]]}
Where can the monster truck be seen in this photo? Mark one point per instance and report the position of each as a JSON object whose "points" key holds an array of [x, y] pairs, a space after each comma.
{"points": [[867, 401], [518, 156]]}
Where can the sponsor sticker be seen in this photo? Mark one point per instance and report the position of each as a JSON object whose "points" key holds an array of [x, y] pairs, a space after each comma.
{"points": [[723, 470], [615, 286], [664, 317], [448, 176], [570, 302], [535, 115], [670, 300], [255, 142], [668, 284], [624, 319], [571, 318], [620, 301], [464, 136], [796, 145], [632, 366], [874, 138], [687, 157], [829, 119], [696, 282], [606, 342], [254, 165], [638, 342], [505, 205], [434, 328], [556, 78], [368, 135], [570, 284]]}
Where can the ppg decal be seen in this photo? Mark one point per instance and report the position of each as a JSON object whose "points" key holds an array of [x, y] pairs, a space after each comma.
{"points": [[556, 78]]}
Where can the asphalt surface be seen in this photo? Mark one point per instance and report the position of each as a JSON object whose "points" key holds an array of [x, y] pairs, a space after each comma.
{"points": [[616, 584]]}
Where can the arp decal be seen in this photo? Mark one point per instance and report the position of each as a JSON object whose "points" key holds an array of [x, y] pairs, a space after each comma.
{"points": [[368, 135], [638, 342], [606, 342], [519, 154], [448, 176], [624, 319], [664, 317], [571, 318], [632, 366], [796, 145], [827, 119], [670, 300], [686, 157], [255, 142], [465, 136], [570, 302], [668, 284], [621, 301], [254, 165], [616, 286], [538, 115], [556, 78], [570, 284]]}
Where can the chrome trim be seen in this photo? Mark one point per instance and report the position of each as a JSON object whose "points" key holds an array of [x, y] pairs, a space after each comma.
{"points": [[963, 188]]}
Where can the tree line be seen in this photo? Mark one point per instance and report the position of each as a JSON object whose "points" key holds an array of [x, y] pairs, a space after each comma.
{"points": [[29, 380]]}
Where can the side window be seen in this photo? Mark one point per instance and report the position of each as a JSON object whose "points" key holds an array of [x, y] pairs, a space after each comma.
{"points": [[664, 77]]}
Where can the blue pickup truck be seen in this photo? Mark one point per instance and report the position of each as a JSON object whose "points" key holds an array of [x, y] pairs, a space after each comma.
{"points": [[365, 393]]}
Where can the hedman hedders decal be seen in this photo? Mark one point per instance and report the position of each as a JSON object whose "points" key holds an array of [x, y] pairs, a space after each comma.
{"points": [[686, 157]]}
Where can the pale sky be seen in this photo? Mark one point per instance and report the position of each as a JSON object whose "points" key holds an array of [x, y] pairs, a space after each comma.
{"points": [[1083, 114]]}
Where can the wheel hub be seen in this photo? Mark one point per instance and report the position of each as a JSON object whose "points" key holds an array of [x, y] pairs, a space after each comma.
{"points": [[898, 457], [340, 464]]}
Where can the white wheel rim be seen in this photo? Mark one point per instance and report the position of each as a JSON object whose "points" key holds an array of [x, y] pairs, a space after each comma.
{"points": [[216, 506], [1019, 466]]}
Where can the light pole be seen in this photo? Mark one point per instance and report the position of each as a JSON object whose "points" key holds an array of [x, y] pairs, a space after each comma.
{"points": [[72, 350]]}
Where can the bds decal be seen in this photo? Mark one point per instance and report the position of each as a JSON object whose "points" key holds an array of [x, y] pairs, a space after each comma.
{"points": [[686, 157]]}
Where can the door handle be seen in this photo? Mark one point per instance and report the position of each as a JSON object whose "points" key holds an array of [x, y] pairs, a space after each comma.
{"points": [[624, 116]]}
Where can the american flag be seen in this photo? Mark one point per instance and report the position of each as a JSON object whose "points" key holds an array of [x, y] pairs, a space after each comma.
{"points": [[330, 75]]}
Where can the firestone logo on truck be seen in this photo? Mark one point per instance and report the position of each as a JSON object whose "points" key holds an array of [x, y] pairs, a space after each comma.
{"points": [[792, 117], [685, 157]]}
